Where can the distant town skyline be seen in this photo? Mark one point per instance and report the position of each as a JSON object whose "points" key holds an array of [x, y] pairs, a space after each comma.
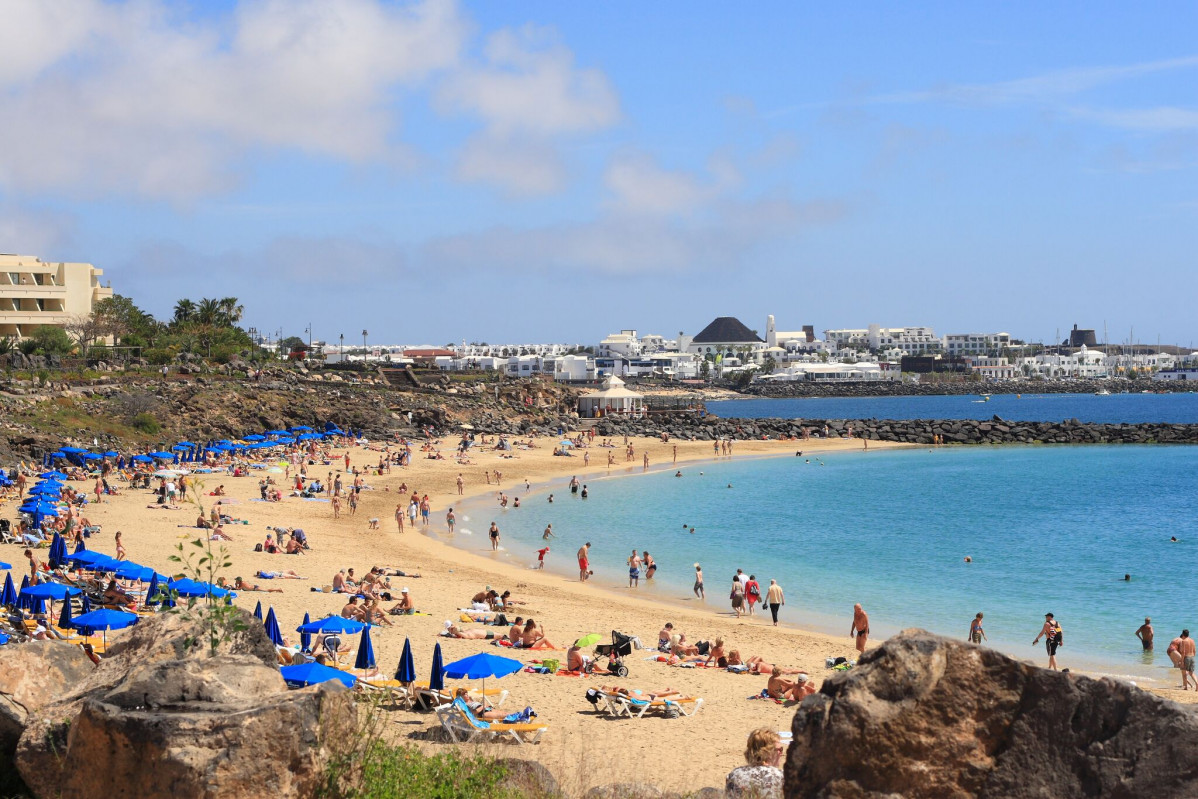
{"points": [[434, 171]]}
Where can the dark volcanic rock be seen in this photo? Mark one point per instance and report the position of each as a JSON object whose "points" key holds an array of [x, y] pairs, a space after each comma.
{"points": [[925, 716]]}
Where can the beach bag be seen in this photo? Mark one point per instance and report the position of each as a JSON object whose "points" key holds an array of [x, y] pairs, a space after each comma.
{"points": [[1060, 635], [257, 547], [552, 665], [592, 696]]}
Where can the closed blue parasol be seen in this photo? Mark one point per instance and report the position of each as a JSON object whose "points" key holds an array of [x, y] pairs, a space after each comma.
{"points": [[258, 611], [436, 680], [80, 547], [272, 628], [313, 673], [58, 551], [8, 596], [406, 672], [64, 618], [153, 590], [365, 659], [306, 638], [333, 624]]}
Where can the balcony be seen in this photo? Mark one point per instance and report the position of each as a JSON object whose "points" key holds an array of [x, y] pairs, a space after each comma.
{"points": [[32, 292]]}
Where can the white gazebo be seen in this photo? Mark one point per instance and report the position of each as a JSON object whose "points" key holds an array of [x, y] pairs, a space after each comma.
{"points": [[613, 397]]}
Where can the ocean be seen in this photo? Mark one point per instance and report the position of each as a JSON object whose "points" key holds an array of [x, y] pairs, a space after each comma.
{"points": [[1112, 409], [1049, 529]]}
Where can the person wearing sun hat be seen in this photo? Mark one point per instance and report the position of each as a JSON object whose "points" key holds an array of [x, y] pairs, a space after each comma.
{"points": [[404, 606]]}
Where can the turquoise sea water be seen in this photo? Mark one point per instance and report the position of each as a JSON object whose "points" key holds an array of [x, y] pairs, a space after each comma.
{"points": [[1112, 409], [1048, 529]]}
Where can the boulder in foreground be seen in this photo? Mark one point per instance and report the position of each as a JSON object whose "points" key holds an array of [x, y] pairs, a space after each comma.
{"points": [[926, 716]]}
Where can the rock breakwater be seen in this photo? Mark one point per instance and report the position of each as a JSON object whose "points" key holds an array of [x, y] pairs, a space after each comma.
{"points": [[908, 431]]}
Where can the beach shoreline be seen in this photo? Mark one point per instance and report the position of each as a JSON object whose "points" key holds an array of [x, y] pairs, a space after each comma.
{"points": [[566, 608]]}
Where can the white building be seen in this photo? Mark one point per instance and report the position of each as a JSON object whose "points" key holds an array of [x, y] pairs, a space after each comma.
{"points": [[34, 293], [727, 338], [993, 368], [957, 344], [833, 372], [911, 340], [1169, 375], [574, 368]]}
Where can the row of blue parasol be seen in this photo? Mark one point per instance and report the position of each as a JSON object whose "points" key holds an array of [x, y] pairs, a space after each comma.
{"points": [[480, 666], [188, 451]]}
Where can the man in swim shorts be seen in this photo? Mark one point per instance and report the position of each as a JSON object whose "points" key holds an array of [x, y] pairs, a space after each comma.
{"points": [[634, 569], [1187, 650], [584, 562], [860, 628], [1144, 633]]}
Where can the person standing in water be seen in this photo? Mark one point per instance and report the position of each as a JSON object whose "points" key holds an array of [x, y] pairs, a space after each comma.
{"points": [[699, 582], [976, 633], [650, 565], [1144, 633], [494, 532], [584, 562], [634, 569]]}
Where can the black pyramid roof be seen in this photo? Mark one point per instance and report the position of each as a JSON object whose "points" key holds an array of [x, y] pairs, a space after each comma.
{"points": [[726, 328]]}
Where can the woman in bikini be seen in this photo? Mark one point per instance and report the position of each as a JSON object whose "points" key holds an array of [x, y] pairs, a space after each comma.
{"points": [[534, 637]]}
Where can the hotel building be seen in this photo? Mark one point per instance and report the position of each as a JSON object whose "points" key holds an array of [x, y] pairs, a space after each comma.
{"points": [[35, 293]]}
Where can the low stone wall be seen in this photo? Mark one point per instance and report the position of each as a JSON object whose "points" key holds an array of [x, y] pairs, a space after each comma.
{"points": [[913, 431]]}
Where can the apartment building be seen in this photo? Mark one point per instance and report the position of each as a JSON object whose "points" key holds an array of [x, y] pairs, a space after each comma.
{"points": [[35, 293], [975, 343]]}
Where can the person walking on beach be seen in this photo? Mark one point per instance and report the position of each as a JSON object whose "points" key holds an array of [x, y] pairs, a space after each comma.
{"points": [[1052, 635], [860, 628], [752, 592], [584, 563], [461, 484], [699, 582], [1174, 652], [737, 596], [1144, 633], [775, 599], [399, 516], [634, 569], [976, 633], [450, 520], [494, 536], [336, 507], [1187, 651]]}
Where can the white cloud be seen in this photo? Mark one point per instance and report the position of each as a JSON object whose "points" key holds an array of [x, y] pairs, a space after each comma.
{"points": [[530, 86], [1153, 120], [527, 94], [123, 97], [640, 186], [521, 167]]}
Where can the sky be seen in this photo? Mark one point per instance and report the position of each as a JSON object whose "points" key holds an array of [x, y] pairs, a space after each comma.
{"points": [[544, 171]]}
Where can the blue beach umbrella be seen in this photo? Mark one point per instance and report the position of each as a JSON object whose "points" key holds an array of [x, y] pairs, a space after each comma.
{"points": [[406, 672], [105, 620], [258, 611], [134, 571], [313, 673], [70, 450], [276, 432], [436, 680], [272, 628], [365, 659], [306, 638], [189, 587], [301, 428], [254, 437], [482, 666], [91, 559], [51, 591], [141, 459], [52, 475], [3, 639], [8, 595], [80, 547], [152, 590], [4, 565], [333, 624]]}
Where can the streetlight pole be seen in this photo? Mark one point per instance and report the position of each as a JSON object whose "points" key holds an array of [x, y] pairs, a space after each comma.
{"points": [[341, 350], [363, 344]]}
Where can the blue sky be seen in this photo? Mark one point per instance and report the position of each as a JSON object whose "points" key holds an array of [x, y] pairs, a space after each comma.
{"points": [[555, 171]]}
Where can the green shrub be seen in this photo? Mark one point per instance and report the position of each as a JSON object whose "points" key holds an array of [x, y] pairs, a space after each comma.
{"points": [[145, 423], [158, 356], [384, 771]]}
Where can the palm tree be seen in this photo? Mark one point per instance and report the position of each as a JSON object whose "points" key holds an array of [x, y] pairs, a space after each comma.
{"points": [[185, 311], [231, 311], [208, 312]]}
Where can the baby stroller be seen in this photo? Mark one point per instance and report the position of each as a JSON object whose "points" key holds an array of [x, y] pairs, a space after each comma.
{"points": [[619, 648]]}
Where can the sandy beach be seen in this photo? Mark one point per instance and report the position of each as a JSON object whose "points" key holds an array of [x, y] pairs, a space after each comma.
{"points": [[582, 748]]}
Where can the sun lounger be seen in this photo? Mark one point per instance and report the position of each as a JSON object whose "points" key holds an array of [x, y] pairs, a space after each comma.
{"points": [[632, 706], [462, 726], [405, 694], [495, 697]]}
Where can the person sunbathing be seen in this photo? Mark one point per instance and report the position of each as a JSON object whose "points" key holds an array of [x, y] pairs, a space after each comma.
{"points": [[404, 607], [453, 631], [576, 661], [374, 614], [680, 648], [758, 666], [534, 637], [482, 711], [339, 584], [393, 571], [241, 585], [351, 609], [286, 574], [115, 596], [294, 547], [516, 633], [781, 689], [717, 654], [664, 693], [219, 534], [202, 523]]}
